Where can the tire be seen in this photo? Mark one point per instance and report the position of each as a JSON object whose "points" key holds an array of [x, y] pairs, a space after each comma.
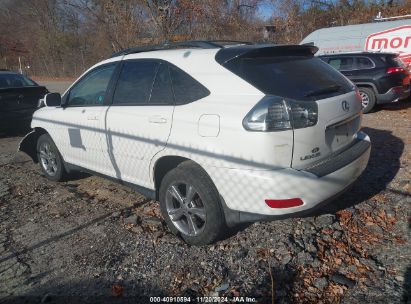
{"points": [[202, 210], [368, 99], [50, 160]]}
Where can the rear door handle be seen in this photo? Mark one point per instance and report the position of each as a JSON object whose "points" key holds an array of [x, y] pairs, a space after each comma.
{"points": [[92, 117], [157, 119]]}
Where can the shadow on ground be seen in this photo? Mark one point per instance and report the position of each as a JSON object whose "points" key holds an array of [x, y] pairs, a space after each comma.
{"points": [[89, 291], [406, 296]]}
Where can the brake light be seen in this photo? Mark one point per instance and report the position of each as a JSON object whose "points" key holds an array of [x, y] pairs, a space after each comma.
{"points": [[395, 70], [284, 203], [274, 113], [358, 96]]}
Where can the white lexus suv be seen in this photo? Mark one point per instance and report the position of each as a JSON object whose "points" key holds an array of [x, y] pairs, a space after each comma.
{"points": [[218, 133]]}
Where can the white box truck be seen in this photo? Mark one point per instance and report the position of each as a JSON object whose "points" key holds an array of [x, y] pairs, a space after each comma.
{"points": [[382, 36]]}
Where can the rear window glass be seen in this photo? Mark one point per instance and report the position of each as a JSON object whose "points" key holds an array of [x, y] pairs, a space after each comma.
{"points": [[15, 81], [135, 82], [395, 62], [296, 77], [162, 92], [186, 88]]}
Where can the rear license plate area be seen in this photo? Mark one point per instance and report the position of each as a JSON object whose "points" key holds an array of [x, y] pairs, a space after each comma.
{"points": [[342, 134]]}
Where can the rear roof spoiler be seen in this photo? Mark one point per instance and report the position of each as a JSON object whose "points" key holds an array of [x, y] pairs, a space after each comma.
{"points": [[263, 50]]}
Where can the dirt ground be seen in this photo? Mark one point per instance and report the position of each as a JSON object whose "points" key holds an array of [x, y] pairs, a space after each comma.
{"points": [[91, 240]]}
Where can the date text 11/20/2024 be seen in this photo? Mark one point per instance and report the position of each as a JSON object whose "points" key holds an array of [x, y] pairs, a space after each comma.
{"points": [[202, 300]]}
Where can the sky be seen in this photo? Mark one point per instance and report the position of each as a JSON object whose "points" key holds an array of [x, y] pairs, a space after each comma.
{"points": [[265, 10]]}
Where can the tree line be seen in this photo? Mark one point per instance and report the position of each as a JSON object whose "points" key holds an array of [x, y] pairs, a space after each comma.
{"points": [[58, 38]]}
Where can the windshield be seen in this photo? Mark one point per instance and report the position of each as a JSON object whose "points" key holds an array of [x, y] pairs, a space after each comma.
{"points": [[295, 77], [15, 81]]}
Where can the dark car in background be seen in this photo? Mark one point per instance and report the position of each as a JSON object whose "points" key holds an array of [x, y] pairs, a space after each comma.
{"points": [[19, 97], [380, 77]]}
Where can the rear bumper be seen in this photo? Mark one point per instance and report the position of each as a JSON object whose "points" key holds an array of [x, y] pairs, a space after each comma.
{"points": [[393, 95], [244, 191]]}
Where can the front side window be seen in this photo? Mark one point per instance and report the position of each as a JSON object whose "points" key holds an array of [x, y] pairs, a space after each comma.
{"points": [[342, 63], [91, 90], [135, 82]]}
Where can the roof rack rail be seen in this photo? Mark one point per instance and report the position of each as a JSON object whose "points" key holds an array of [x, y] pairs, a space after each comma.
{"points": [[201, 44], [230, 42]]}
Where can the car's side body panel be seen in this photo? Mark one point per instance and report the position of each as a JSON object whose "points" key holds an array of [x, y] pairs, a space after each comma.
{"points": [[126, 142], [78, 132]]}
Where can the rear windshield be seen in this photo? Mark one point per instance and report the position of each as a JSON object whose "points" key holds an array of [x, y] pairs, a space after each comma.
{"points": [[395, 62], [15, 81], [295, 77]]}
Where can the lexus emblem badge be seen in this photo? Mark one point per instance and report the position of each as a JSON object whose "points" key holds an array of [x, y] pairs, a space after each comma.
{"points": [[345, 106]]}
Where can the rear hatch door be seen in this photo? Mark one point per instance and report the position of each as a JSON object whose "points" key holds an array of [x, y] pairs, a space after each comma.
{"points": [[294, 74], [339, 120]]}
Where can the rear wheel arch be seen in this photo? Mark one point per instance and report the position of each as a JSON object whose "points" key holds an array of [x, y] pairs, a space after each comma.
{"points": [[185, 210], [368, 85], [164, 165]]}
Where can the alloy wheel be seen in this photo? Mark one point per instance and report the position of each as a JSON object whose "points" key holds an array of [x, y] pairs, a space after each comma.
{"points": [[185, 208], [48, 159], [365, 99]]}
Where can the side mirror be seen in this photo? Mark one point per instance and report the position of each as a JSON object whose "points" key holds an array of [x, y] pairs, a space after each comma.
{"points": [[52, 100]]}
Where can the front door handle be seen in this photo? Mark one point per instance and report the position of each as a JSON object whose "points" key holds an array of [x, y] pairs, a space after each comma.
{"points": [[157, 119]]}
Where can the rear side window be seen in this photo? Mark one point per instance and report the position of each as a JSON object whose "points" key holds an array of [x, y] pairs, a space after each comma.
{"points": [[295, 77], [364, 63], [135, 82], [186, 88], [342, 63], [15, 81], [162, 92]]}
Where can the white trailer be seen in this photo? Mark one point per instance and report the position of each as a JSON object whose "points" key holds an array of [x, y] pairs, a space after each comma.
{"points": [[381, 36]]}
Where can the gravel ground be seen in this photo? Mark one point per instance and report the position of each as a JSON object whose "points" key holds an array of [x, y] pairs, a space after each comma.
{"points": [[91, 240]]}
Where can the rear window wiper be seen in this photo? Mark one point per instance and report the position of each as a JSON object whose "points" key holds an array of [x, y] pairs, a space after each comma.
{"points": [[330, 89]]}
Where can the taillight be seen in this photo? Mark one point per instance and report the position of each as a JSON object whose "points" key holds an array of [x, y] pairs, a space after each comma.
{"points": [[274, 113], [284, 203], [358, 96], [395, 70]]}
